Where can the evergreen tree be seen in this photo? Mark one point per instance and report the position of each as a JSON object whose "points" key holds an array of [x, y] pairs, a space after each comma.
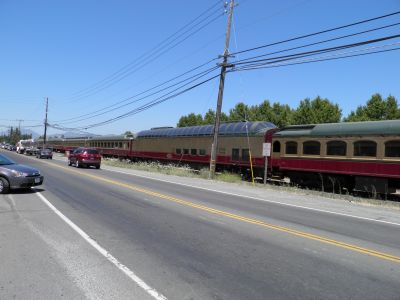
{"points": [[376, 109], [209, 117], [240, 113], [280, 115], [190, 120]]}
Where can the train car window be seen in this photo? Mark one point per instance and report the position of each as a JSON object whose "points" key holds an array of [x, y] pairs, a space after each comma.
{"points": [[185, 151], [276, 147], [337, 148], [365, 148], [245, 154], [392, 149], [202, 151], [178, 151], [235, 154], [311, 148], [120, 144], [193, 151], [291, 147]]}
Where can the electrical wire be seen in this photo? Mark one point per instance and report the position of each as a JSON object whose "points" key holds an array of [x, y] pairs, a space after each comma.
{"points": [[248, 64], [317, 33], [192, 78], [318, 43], [314, 52], [162, 48], [274, 65], [139, 109], [140, 93], [140, 67]]}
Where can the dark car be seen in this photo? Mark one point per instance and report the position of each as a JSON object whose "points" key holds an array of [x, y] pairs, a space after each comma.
{"points": [[81, 157], [44, 153], [16, 176]]}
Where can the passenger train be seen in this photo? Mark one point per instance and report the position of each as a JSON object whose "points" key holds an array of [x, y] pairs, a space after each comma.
{"points": [[363, 156]]}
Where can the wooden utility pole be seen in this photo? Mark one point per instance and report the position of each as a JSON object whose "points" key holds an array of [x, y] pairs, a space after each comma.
{"points": [[45, 124], [19, 125], [214, 146]]}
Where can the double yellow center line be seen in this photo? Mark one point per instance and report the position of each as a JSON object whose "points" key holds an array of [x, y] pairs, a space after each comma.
{"points": [[226, 214]]}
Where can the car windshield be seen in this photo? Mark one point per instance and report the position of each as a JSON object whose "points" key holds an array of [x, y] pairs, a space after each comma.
{"points": [[6, 161]]}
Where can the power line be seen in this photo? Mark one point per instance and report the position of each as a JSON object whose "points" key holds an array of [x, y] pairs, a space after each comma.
{"points": [[145, 63], [192, 78], [311, 60], [107, 108], [158, 45], [320, 42], [139, 109], [148, 57], [317, 33], [314, 52]]}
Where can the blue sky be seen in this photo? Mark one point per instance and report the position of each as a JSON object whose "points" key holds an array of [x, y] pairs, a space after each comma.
{"points": [[56, 49]]}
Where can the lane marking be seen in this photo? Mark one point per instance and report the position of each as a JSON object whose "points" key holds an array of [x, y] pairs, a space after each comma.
{"points": [[256, 198], [250, 197], [294, 232], [151, 291]]}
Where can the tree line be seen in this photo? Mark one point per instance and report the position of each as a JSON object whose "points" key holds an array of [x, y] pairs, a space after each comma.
{"points": [[14, 135], [318, 110]]}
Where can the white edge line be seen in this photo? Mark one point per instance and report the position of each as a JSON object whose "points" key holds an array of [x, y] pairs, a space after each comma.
{"points": [[151, 291], [259, 199]]}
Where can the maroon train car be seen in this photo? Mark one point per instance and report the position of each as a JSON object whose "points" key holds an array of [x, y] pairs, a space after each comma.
{"points": [[363, 156]]}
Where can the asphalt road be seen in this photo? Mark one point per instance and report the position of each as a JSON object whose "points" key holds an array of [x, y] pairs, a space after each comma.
{"points": [[184, 243]]}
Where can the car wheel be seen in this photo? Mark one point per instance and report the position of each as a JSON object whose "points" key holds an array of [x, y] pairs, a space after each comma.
{"points": [[77, 164], [69, 163], [4, 185], [97, 166]]}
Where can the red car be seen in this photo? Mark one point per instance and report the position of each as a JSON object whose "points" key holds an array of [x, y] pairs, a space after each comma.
{"points": [[84, 157]]}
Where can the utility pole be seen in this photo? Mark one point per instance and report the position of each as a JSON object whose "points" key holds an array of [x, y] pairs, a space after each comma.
{"points": [[45, 124], [19, 125], [214, 147]]}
